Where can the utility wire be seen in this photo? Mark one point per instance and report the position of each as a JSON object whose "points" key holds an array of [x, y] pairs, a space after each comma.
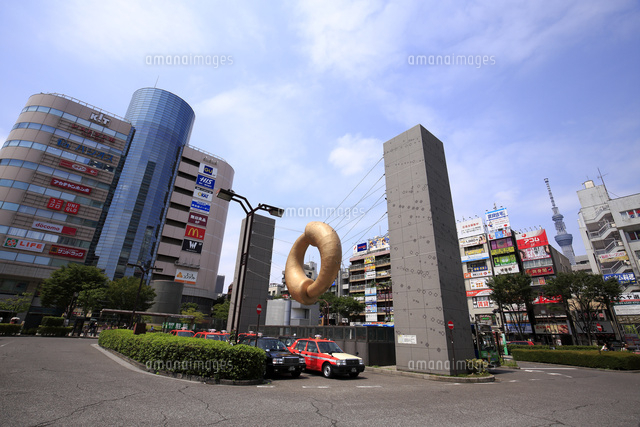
{"points": [[354, 188], [366, 195]]}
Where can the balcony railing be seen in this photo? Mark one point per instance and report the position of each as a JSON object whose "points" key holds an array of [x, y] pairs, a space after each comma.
{"points": [[605, 227]]}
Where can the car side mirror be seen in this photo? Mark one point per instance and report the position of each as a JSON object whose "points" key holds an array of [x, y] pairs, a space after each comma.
{"points": [[357, 353]]}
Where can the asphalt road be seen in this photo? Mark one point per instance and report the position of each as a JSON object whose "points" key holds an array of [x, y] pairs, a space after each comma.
{"points": [[72, 382]]}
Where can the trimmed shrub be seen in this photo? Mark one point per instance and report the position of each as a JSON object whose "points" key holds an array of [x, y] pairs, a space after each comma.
{"points": [[621, 360], [511, 347], [206, 358], [8, 329], [54, 331], [52, 321]]}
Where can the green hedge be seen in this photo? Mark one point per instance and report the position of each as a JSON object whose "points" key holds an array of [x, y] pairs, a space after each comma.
{"points": [[54, 331], [588, 358], [511, 347], [52, 321], [8, 329], [191, 356]]}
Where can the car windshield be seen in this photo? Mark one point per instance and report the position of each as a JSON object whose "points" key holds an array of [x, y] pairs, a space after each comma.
{"points": [[272, 345], [184, 333], [215, 337], [329, 347]]}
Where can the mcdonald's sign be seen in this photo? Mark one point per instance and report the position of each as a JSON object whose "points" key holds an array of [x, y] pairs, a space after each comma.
{"points": [[194, 232]]}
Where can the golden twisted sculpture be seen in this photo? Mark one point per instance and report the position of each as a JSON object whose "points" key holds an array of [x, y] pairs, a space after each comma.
{"points": [[302, 288]]}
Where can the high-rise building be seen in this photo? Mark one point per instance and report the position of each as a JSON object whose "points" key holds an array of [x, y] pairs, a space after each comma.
{"points": [[163, 123], [57, 169], [79, 184], [610, 230]]}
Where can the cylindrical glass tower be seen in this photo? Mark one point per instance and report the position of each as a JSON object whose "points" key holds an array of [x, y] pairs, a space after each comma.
{"points": [[162, 123]]}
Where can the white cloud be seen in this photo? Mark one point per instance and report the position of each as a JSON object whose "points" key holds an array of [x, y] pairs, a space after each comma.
{"points": [[354, 154]]}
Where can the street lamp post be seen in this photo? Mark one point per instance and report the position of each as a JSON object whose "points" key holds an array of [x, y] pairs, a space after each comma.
{"points": [[238, 292], [144, 269]]}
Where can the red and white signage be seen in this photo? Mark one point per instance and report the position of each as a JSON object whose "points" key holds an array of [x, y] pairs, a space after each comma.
{"points": [[78, 167], [481, 273], [71, 186], [194, 232], [532, 239], [197, 219], [71, 208], [450, 324], [67, 252], [479, 293], [539, 271], [25, 245], [259, 309], [53, 227], [55, 204]]}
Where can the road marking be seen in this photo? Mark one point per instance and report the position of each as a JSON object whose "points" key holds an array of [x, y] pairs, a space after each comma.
{"points": [[315, 386], [534, 379], [569, 369], [513, 381], [265, 386], [4, 344], [368, 386]]}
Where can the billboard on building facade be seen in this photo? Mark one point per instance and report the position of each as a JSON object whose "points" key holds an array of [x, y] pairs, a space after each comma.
{"points": [[497, 219], [208, 170], [470, 227], [499, 234], [532, 239], [192, 246], [25, 245], [186, 276], [205, 181], [379, 243], [616, 256], [623, 278], [473, 241], [359, 248], [538, 252], [201, 207]]}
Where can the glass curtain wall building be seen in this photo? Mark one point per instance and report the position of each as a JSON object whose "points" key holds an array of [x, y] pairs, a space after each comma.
{"points": [[163, 124]]}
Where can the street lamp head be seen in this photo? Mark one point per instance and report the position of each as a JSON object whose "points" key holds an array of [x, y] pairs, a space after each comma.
{"points": [[226, 195], [273, 211]]}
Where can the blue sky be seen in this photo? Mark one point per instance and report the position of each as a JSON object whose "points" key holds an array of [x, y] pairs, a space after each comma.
{"points": [[312, 89]]}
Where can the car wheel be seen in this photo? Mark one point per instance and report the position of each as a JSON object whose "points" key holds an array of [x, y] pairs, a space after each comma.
{"points": [[354, 374], [295, 374], [327, 371]]}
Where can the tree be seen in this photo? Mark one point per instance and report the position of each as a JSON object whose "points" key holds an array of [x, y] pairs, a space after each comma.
{"points": [[121, 294], [221, 310], [198, 317], [342, 306], [17, 303], [64, 285], [584, 295], [513, 292], [188, 305]]}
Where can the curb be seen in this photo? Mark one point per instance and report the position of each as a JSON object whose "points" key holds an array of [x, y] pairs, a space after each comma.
{"points": [[441, 378], [179, 376]]}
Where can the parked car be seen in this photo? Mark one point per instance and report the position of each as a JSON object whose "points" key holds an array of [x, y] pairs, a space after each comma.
{"points": [[182, 333], [279, 359], [218, 336], [519, 343], [288, 340], [326, 356]]}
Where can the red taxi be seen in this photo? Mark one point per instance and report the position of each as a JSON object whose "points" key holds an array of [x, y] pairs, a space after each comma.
{"points": [[327, 357], [182, 333], [217, 336]]}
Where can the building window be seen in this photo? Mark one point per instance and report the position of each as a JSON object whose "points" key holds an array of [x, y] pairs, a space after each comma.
{"points": [[634, 235], [632, 213]]}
